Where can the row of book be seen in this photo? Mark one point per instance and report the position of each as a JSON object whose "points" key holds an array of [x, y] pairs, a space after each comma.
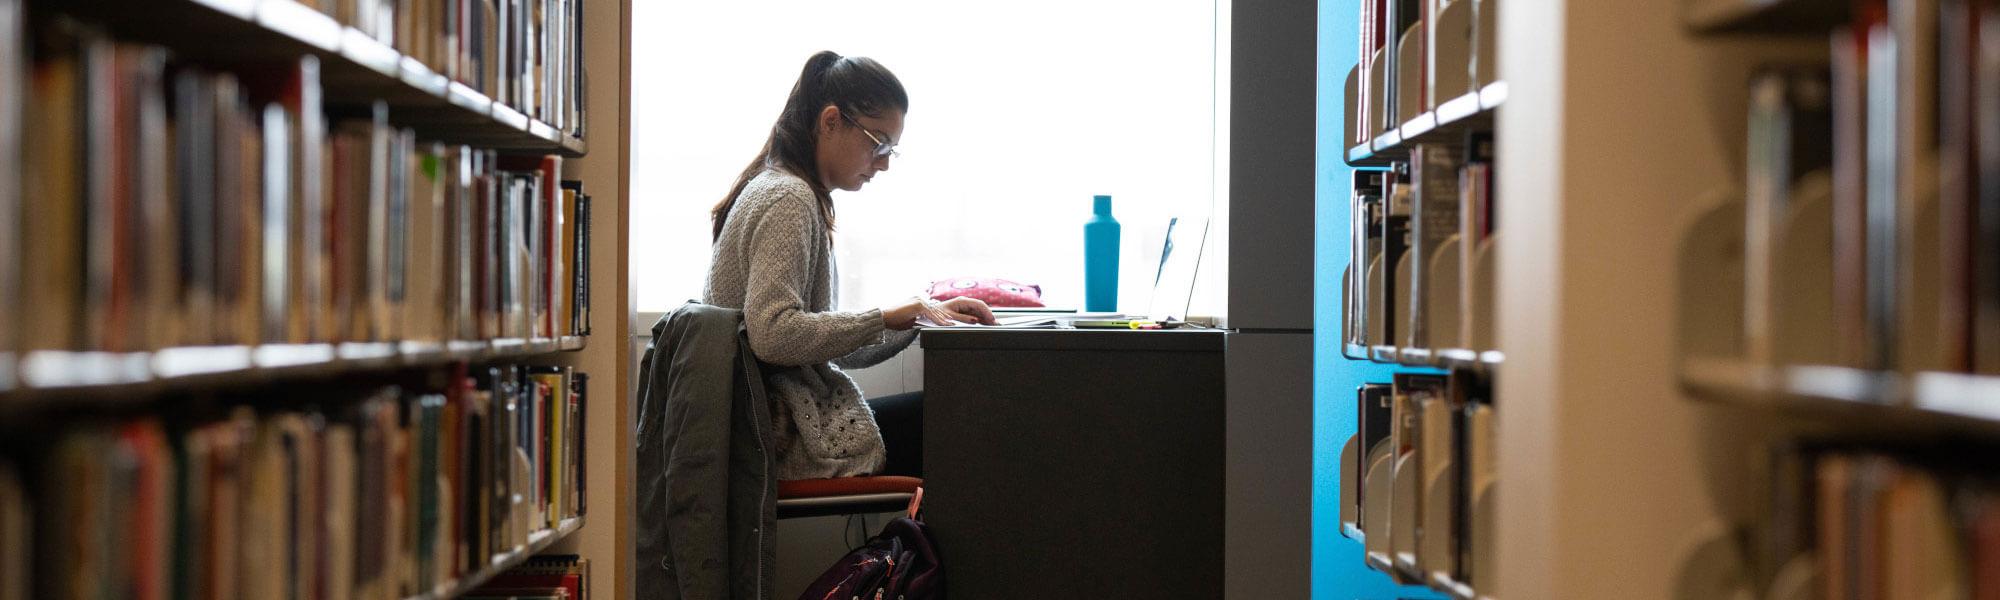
{"points": [[1422, 237], [1871, 200], [165, 204], [527, 54], [1417, 479], [1416, 55], [1845, 522], [380, 493], [549, 577]]}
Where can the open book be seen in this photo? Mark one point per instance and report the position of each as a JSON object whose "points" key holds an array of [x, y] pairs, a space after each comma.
{"points": [[1027, 321]]}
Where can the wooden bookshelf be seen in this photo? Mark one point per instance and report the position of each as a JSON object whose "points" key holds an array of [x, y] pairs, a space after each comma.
{"points": [[537, 542], [1448, 123], [1765, 16], [356, 69], [72, 397], [48, 379], [1875, 402]]}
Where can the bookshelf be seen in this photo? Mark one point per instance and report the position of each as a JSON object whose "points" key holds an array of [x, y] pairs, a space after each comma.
{"points": [[344, 417], [607, 540], [356, 68], [1472, 111], [1418, 479], [1712, 17], [1878, 404], [537, 542], [1448, 358], [1692, 420], [70, 378], [1841, 291]]}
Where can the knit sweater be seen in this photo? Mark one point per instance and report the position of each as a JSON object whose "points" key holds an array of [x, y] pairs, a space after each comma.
{"points": [[775, 262]]}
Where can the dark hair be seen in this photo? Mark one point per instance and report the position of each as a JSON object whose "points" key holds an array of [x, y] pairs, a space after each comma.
{"points": [[852, 84]]}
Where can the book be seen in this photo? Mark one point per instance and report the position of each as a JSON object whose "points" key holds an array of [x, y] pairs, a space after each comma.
{"points": [[1371, 42], [240, 241], [584, 263], [1481, 469], [197, 125], [1404, 19], [146, 535], [568, 280], [1373, 427], [1435, 219], [52, 315], [1476, 226], [122, 125], [1366, 205], [1437, 491], [1789, 136], [154, 248], [551, 576], [1406, 522], [580, 400], [191, 204], [1471, 452], [1851, 300], [1985, 172], [1985, 547], [1395, 224], [16, 536], [424, 303], [1906, 99], [14, 95], [1957, 219]]}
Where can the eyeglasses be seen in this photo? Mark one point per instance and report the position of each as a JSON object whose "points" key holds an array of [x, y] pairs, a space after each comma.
{"points": [[882, 148]]}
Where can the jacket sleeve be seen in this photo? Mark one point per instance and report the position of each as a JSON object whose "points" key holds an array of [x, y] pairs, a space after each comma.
{"points": [[873, 354], [782, 331]]}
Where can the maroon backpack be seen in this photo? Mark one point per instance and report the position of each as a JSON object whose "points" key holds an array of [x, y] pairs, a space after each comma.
{"points": [[901, 563]]}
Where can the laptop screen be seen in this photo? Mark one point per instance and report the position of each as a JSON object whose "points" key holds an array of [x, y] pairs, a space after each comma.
{"points": [[1180, 258]]}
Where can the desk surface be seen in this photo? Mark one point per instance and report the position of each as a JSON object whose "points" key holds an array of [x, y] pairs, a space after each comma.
{"points": [[996, 338]]}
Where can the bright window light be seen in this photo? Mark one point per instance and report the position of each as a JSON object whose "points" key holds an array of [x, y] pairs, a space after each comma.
{"points": [[1020, 112]]}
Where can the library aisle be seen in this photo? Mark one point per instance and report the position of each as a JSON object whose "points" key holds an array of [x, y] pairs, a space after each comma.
{"points": [[297, 298], [1744, 318]]}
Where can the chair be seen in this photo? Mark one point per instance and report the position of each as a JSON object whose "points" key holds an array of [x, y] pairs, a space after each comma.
{"points": [[846, 495]]}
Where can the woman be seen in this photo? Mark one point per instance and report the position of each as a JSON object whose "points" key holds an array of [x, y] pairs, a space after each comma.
{"points": [[774, 259]]}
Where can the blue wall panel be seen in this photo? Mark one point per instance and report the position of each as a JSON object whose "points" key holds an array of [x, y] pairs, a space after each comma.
{"points": [[1337, 572]]}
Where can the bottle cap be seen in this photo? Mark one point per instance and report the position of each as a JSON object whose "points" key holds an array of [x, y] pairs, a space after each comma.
{"points": [[1102, 205]]}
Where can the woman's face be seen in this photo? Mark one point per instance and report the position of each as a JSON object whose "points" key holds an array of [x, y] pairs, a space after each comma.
{"points": [[853, 147]]}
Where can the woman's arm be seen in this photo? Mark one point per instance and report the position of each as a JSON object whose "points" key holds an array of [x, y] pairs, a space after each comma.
{"points": [[781, 330], [873, 354]]}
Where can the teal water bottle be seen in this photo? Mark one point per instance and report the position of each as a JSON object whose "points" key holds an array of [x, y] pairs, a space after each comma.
{"points": [[1100, 259]]}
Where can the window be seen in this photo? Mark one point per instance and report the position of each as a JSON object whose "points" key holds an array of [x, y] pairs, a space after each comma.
{"points": [[1020, 113]]}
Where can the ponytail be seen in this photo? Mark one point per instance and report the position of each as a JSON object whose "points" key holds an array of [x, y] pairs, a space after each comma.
{"points": [[851, 84]]}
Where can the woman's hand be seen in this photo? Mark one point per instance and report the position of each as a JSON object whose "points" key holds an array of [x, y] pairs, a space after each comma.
{"points": [[955, 310], [969, 310]]}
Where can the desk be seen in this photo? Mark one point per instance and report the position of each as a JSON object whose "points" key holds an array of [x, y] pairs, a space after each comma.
{"points": [[1075, 463]]}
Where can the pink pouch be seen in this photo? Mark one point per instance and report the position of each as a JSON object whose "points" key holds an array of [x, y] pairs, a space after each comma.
{"points": [[995, 292]]}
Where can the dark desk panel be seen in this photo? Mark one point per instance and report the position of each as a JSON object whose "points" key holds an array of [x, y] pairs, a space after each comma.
{"points": [[1075, 464]]}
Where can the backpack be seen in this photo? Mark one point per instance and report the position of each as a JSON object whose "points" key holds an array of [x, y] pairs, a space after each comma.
{"points": [[901, 563]]}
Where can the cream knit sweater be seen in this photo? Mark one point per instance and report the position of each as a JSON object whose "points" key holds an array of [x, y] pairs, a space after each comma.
{"points": [[774, 262]]}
